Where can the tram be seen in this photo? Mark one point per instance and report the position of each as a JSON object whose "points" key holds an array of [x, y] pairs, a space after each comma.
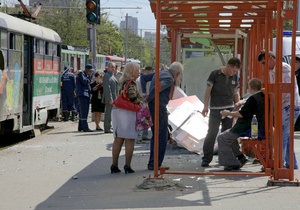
{"points": [[119, 61], [30, 60], [78, 59]]}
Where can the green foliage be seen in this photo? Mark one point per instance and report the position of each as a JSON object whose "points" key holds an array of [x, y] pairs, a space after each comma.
{"points": [[68, 22]]}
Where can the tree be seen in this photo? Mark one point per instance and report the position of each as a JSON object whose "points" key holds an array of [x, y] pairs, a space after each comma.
{"points": [[109, 40], [69, 21]]}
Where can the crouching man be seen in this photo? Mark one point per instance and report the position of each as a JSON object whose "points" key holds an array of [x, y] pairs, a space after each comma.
{"points": [[230, 155]]}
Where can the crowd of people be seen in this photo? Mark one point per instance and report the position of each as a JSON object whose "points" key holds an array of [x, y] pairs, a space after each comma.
{"points": [[221, 100]]}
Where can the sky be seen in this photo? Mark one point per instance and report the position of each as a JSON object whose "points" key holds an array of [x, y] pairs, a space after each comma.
{"points": [[117, 10], [146, 20]]}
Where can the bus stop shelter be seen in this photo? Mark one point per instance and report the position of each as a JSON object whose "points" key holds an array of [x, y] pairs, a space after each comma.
{"points": [[248, 27]]}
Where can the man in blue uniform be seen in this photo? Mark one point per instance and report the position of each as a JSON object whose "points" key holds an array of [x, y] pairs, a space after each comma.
{"points": [[168, 79], [67, 93], [83, 92]]}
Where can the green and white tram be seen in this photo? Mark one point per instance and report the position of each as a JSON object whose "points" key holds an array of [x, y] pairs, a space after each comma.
{"points": [[29, 74]]}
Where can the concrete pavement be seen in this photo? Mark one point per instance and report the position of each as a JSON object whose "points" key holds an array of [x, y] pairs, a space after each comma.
{"points": [[66, 169]]}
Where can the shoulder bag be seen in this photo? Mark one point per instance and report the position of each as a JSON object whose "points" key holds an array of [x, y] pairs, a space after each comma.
{"points": [[123, 102]]}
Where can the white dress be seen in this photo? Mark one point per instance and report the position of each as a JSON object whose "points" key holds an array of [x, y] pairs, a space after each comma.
{"points": [[123, 123]]}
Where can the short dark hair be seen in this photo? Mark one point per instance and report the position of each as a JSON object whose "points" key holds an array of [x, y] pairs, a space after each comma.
{"points": [[148, 68], [234, 62], [262, 55], [297, 58]]}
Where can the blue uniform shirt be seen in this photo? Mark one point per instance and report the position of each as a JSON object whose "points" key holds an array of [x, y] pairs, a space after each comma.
{"points": [[83, 87], [68, 82]]}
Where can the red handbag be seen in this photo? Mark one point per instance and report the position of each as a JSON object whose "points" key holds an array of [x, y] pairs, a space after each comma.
{"points": [[123, 102]]}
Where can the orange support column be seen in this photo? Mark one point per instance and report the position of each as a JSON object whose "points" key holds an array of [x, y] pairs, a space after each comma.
{"points": [[173, 45], [157, 84]]}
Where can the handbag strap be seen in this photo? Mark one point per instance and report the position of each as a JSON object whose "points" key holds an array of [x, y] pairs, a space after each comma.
{"points": [[126, 88]]}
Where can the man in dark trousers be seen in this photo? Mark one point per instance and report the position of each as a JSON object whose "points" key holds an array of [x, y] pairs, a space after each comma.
{"points": [[110, 93], [168, 79], [67, 94], [297, 73], [229, 152], [83, 92], [222, 92]]}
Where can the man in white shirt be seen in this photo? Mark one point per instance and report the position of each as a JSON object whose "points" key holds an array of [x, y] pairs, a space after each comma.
{"points": [[286, 78]]}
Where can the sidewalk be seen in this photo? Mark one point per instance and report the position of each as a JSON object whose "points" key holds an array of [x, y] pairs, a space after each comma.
{"points": [[66, 169]]}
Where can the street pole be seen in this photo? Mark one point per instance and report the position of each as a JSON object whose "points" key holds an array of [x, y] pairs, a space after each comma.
{"points": [[141, 56], [92, 38], [94, 51], [126, 37]]}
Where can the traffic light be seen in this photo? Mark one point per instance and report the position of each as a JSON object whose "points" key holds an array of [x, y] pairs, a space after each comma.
{"points": [[93, 11]]}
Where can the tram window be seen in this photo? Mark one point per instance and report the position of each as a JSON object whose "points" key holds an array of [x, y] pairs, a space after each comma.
{"points": [[39, 46], [56, 50], [18, 42], [50, 50], [3, 40], [1, 60], [11, 41], [15, 41], [46, 48]]}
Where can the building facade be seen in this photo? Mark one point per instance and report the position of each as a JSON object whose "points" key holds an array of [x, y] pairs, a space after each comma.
{"points": [[132, 24]]}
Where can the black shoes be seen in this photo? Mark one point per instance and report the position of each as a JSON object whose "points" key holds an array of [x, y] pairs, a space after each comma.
{"points": [[109, 131], [231, 168], [243, 161], [204, 163], [99, 129], [88, 130], [114, 169], [128, 169]]}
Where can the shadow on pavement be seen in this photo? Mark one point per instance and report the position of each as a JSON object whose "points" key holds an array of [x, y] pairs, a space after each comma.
{"points": [[95, 188]]}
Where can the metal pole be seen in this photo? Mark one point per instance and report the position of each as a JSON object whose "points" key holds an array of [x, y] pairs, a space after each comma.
{"points": [[90, 38], [141, 56], [93, 49], [126, 37]]}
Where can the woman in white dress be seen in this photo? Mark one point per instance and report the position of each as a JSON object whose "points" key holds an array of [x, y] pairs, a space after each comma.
{"points": [[124, 121]]}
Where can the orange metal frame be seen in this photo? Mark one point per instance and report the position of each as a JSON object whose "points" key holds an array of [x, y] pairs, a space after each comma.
{"points": [[258, 19]]}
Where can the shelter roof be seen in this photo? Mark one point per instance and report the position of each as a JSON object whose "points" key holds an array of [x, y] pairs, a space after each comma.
{"points": [[212, 17]]}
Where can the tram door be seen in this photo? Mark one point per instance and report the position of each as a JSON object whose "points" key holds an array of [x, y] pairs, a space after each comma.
{"points": [[28, 83]]}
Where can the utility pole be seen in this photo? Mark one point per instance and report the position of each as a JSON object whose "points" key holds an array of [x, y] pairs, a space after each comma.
{"points": [[93, 44], [141, 56], [126, 37]]}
